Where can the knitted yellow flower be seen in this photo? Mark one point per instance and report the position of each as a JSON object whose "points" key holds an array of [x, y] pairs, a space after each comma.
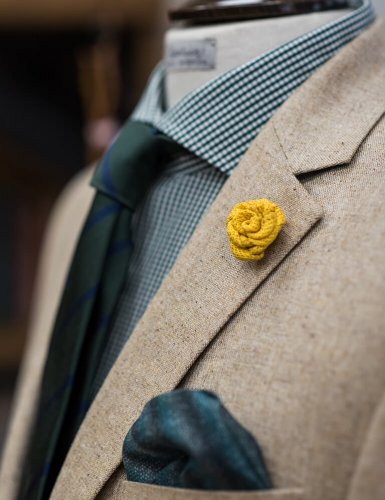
{"points": [[252, 226]]}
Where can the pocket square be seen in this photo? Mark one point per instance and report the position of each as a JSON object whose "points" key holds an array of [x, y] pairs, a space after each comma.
{"points": [[187, 439]]}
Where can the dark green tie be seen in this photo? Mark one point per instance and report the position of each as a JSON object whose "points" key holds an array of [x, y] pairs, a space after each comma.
{"points": [[91, 292]]}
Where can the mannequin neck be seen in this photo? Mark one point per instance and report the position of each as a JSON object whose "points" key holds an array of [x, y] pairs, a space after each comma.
{"points": [[196, 55]]}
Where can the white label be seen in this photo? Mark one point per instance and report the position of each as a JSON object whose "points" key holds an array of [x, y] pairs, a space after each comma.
{"points": [[191, 54]]}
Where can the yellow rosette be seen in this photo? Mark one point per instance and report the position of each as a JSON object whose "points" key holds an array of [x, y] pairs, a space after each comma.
{"points": [[252, 226]]}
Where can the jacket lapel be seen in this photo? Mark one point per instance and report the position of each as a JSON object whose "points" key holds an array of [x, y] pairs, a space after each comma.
{"points": [[316, 128]]}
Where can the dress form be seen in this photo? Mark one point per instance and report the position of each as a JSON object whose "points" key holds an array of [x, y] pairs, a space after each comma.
{"points": [[235, 43]]}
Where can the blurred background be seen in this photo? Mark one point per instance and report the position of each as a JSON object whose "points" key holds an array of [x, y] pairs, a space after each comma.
{"points": [[70, 74]]}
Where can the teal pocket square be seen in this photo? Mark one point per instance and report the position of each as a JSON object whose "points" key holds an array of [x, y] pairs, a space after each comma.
{"points": [[188, 439]]}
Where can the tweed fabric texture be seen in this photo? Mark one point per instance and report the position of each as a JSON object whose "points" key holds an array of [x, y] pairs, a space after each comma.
{"points": [[120, 488], [294, 345], [215, 124], [368, 478]]}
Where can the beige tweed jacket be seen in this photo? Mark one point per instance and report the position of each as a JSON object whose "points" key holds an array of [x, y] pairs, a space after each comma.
{"points": [[294, 345]]}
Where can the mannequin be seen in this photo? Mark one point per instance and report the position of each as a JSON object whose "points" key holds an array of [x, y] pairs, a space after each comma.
{"points": [[232, 44], [294, 345]]}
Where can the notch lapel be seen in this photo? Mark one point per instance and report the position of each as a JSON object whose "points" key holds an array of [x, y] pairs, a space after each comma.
{"points": [[208, 285]]}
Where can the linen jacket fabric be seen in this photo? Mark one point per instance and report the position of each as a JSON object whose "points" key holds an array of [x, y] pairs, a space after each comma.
{"points": [[294, 345]]}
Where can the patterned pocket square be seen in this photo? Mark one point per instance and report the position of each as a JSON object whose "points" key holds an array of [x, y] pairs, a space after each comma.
{"points": [[188, 439]]}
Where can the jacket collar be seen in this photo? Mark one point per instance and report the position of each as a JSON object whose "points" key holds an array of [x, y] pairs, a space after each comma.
{"points": [[324, 123], [320, 126]]}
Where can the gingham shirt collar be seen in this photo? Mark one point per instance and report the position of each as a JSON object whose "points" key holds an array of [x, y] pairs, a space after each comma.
{"points": [[218, 121]]}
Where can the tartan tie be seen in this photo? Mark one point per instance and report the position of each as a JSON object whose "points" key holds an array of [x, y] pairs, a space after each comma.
{"points": [[95, 279]]}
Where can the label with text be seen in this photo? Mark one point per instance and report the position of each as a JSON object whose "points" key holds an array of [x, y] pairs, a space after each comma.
{"points": [[191, 54]]}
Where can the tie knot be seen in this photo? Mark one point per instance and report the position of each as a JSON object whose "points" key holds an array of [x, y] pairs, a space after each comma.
{"points": [[132, 162]]}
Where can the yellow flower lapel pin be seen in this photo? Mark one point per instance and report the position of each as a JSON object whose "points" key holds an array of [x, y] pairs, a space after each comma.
{"points": [[252, 226]]}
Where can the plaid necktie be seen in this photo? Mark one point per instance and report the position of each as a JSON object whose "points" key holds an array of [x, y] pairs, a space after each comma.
{"points": [[93, 285]]}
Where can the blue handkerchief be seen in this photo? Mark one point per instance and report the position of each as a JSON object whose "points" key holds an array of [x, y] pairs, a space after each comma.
{"points": [[188, 439]]}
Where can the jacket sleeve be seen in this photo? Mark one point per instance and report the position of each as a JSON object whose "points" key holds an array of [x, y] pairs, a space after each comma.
{"points": [[368, 482], [60, 238]]}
